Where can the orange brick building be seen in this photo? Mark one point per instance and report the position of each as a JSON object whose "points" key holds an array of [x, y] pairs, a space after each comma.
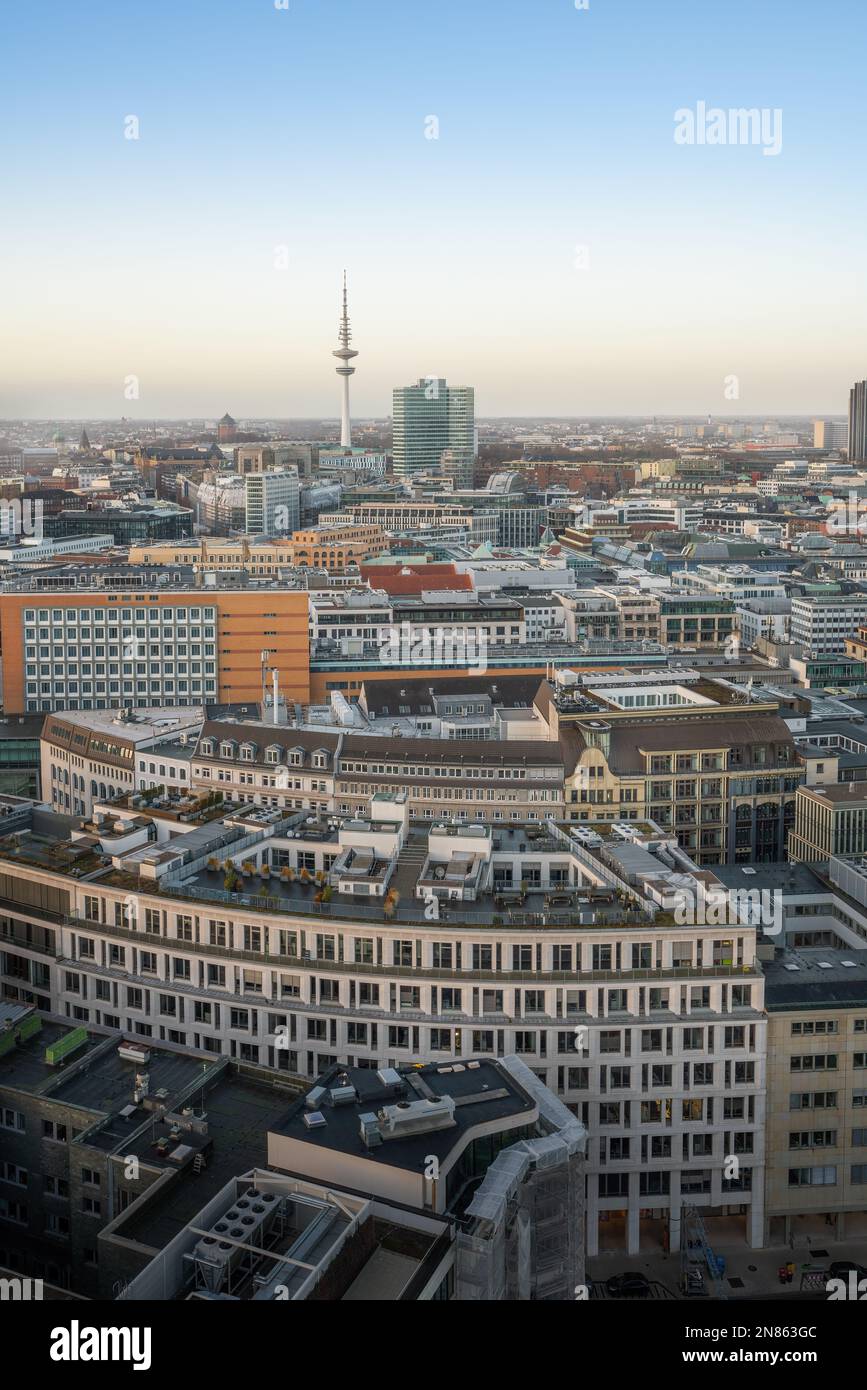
{"points": [[98, 648]]}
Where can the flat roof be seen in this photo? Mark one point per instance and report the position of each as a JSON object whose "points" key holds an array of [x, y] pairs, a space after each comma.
{"points": [[822, 977], [781, 875], [24, 1067], [483, 1091], [839, 793], [239, 1114]]}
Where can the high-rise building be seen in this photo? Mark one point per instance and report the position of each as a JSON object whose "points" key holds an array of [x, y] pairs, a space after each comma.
{"points": [[830, 434], [858, 423], [346, 354], [273, 503], [429, 419]]}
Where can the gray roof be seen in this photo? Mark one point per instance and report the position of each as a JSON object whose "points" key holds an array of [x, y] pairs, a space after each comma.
{"points": [[630, 741], [477, 1090], [791, 879], [384, 697], [816, 978]]}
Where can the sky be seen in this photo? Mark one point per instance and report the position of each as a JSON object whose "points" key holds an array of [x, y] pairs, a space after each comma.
{"points": [[500, 178]]}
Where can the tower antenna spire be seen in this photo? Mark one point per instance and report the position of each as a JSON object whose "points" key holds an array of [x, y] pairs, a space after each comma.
{"points": [[345, 353]]}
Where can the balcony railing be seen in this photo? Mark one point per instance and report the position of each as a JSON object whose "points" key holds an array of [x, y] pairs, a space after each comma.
{"points": [[150, 941]]}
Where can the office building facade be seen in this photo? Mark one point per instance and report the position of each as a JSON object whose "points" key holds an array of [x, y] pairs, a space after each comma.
{"points": [[430, 419]]}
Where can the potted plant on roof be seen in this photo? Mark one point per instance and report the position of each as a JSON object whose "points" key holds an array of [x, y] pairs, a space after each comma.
{"points": [[285, 871], [247, 867], [306, 877], [213, 863], [231, 878], [390, 902], [265, 870]]}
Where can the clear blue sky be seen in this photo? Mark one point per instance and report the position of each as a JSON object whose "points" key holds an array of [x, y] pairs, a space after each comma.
{"points": [[304, 129]]}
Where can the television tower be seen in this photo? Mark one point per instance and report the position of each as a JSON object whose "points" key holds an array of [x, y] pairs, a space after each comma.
{"points": [[346, 354]]}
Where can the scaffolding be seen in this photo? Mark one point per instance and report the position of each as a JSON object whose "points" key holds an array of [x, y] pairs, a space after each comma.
{"points": [[525, 1240]]}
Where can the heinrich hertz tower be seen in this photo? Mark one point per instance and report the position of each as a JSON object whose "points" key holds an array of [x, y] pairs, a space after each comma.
{"points": [[346, 354]]}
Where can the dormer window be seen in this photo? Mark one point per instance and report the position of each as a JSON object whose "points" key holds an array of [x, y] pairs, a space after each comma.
{"points": [[227, 748], [247, 752], [296, 758], [272, 753], [320, 759], [206, 747]]}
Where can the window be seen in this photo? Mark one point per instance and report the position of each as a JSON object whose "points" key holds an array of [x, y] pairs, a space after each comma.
{"points": [[813, 1100], [57, 1226], [14, 1211], [813, 1177], [654, 1184], [821, 1061], [812, 1139]]}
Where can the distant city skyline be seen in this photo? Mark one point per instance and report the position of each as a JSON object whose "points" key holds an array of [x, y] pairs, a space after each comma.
{"points": [[545, 239]]}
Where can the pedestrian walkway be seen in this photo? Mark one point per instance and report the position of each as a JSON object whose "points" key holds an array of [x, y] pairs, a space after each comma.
{"points": [[748, 1273]]}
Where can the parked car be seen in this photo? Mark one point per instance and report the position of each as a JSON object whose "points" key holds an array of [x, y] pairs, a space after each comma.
{"points": [[630, 1285]]}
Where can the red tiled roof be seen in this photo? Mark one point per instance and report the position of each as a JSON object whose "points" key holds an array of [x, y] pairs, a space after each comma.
{"points": [[412, 579]]}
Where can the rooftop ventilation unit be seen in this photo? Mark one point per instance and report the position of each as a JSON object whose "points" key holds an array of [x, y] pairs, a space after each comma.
{"points": [[416, 1117], [314, 1119], [368, 1127], [249, 1221], [343, 1095]]}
